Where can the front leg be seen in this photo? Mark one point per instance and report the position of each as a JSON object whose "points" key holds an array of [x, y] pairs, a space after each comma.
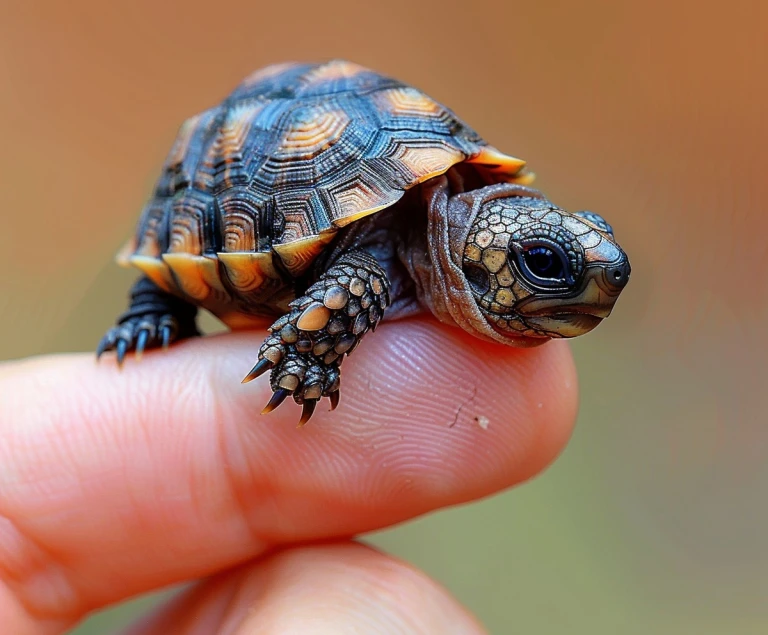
{"points": [[307, 345]]}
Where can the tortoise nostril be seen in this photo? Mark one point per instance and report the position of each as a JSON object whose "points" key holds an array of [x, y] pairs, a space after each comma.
{"points": [[618, 275]]}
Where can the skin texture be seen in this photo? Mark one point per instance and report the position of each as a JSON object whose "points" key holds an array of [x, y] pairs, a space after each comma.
{"points": [[116, 482]]}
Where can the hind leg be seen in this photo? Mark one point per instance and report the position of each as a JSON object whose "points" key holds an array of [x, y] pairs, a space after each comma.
{"points": [[154, 318]]}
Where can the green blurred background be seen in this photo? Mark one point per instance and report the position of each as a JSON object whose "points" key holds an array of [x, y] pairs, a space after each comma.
{"points": [[653, 113]]}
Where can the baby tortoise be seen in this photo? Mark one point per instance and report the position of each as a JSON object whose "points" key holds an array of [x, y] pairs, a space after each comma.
{"points": [[333, 196]]}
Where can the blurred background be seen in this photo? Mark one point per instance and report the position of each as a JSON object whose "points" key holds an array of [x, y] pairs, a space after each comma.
{"points": [[653, 113]]}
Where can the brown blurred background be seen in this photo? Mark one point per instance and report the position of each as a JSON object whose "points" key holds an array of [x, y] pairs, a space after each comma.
{"points": [[652, 113]]}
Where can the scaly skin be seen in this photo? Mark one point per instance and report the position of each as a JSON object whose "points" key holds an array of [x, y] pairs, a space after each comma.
{"points": [[307, 345]]}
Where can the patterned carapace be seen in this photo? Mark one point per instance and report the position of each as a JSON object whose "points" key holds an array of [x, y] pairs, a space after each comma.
{"points": [[293, 154]]}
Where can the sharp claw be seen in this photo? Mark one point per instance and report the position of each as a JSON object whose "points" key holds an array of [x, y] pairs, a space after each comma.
{"points": [[261, 367], [122, 349], [334, 397], [278, 397], [141, 342], [165, 334], [307, 410], [102, 347]]}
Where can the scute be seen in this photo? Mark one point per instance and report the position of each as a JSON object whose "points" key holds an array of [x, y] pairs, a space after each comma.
{"points": [[294, 153]]}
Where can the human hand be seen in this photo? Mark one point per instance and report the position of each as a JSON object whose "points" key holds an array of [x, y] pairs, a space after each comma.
{"points": [[113, 483]]}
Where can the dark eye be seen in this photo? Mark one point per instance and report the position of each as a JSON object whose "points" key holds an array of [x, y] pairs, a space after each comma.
{"points": [[543, 265], [542, 262]]}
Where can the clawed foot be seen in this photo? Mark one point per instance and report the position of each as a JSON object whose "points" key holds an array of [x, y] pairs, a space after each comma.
{"points": [[154, 318], [307, 345], [140, 333], [302, 375]]}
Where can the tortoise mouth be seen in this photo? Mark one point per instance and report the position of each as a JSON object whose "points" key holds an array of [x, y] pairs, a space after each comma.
{"points": [[557, 325], [600, 311], [526, 340], [565, 324]]}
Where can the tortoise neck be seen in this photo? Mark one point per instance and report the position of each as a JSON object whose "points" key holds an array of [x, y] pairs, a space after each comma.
{"points": [[441, 285]]}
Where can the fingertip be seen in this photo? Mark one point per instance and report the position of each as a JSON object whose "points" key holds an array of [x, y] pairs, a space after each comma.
{"points": [[552, 404], [461, 417]]}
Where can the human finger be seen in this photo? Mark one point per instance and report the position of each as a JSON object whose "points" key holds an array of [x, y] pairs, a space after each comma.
{"points": [[342, 588], [114, 482]]}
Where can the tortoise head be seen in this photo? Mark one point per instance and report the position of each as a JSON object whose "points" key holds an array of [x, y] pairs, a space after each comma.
{"points": [[537, 271]]}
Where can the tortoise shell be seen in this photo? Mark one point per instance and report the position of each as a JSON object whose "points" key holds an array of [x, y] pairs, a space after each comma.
{"points": [[256, 187]]}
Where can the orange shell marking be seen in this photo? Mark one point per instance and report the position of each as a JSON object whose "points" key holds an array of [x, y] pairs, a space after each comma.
{"points": [[336, 69], [496, 162], [248, 271], [408, 101], [156, 270], [360, 200], [232, 138], [196, 275], [425, 163], [309, 135], [235, 129], [298, 255]]}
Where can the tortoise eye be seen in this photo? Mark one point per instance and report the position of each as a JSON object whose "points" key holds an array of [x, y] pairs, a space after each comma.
{"points": [[543, 265]]}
